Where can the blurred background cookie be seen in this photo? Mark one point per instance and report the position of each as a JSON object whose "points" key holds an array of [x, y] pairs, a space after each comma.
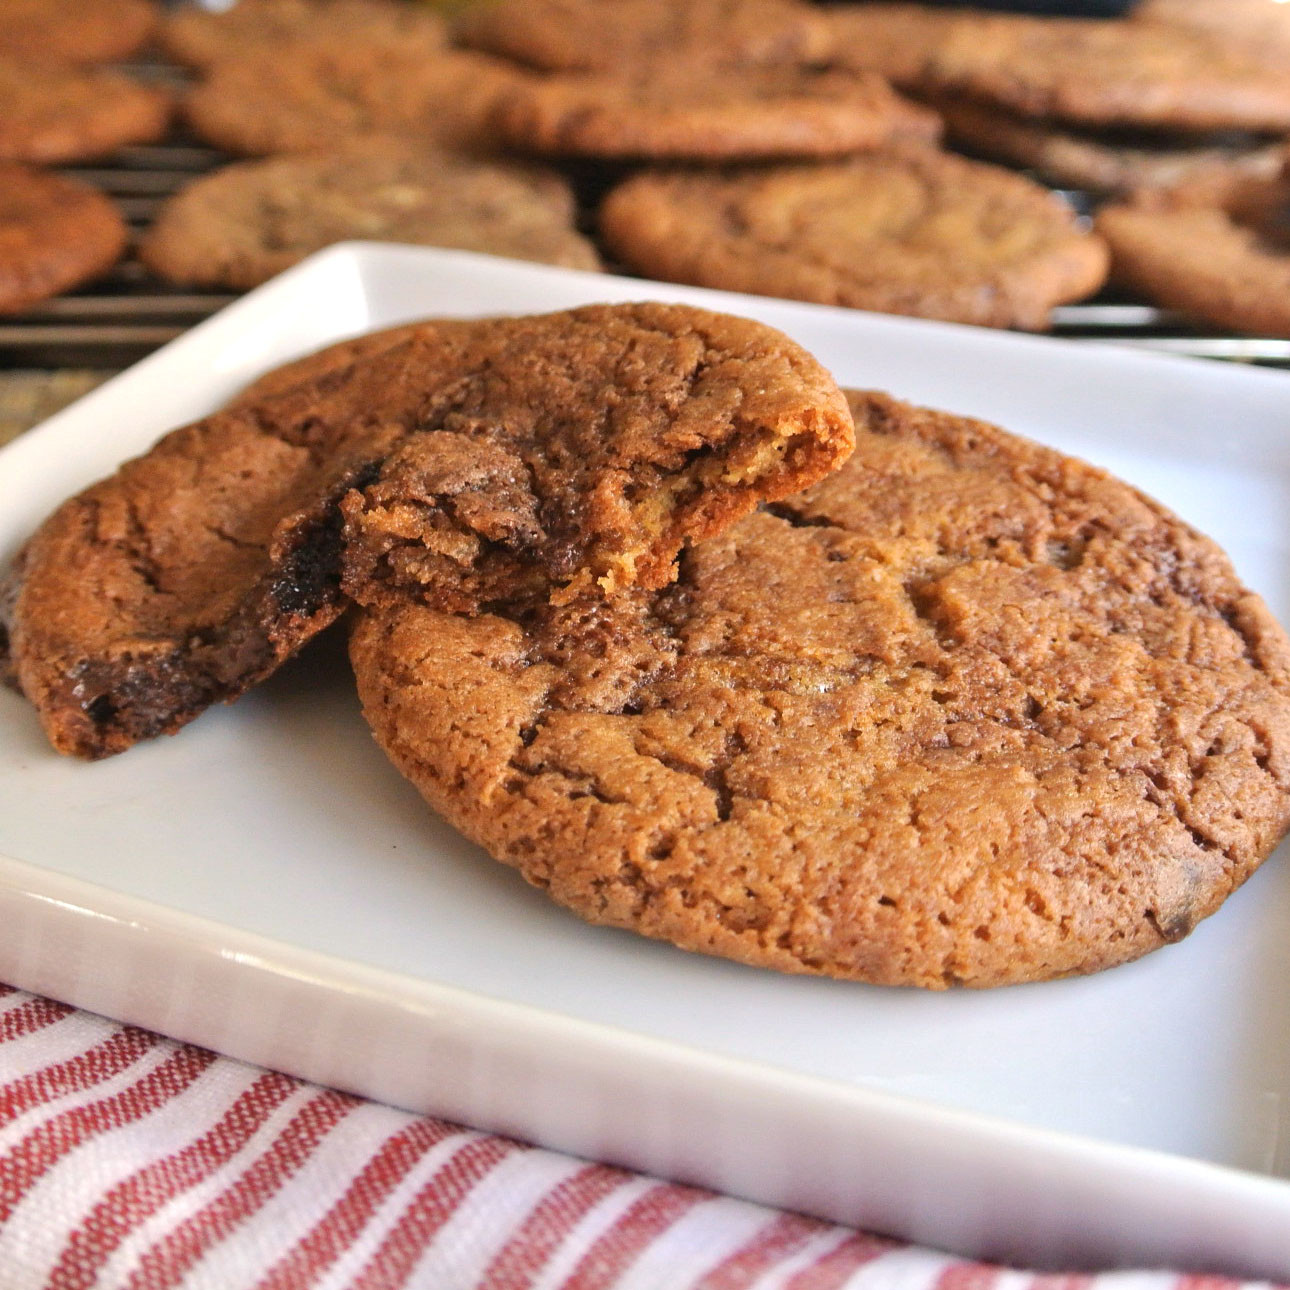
{"points": [[318, 95], [55, 113], [590, 35], [920, 233], [679, 112], [75, 31], [54, 234], [243, 224], [200, 38]]}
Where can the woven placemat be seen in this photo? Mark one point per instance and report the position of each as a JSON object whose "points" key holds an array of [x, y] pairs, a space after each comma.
{"points": [[28, 397]]}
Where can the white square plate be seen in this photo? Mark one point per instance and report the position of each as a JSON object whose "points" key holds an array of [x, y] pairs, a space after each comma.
{"points": [[267, 885]]}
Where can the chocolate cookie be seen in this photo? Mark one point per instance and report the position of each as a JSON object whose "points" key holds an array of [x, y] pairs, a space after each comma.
{"points": [[580, 447], [1224, 261], [919, 232], [1109, 72], [54, 234], [199, 38], [241, 225], [596, 35], [318, 96], [54, 113], [681, 112], [1105, 162], [968, 712], [73, 31]]}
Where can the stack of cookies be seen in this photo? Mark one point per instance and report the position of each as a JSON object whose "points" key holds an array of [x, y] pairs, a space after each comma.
{"points": [[57, 106], [701, 645]]}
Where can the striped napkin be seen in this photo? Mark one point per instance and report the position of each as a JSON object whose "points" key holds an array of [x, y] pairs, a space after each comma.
{"points": [[131, 1161]]}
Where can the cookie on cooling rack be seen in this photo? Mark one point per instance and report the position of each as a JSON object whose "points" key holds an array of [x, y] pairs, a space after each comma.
{"points": [[1221, 257], [53, 113], [915, 232], [968, 712], [199, 38], [55, 233], [74, 31], [321, 95], [241, 225], [593, 35], [683, 112]]}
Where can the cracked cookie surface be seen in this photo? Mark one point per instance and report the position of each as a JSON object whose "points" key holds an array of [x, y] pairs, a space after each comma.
{"points": [[72, 31], [465, 461], [910, 232], [966, 712]]}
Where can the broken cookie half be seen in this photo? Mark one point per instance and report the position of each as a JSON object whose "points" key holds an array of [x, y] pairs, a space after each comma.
{"points": [[461, 461]]}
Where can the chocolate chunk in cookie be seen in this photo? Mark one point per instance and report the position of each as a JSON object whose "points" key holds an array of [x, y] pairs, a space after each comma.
{"points": [[55, 233], [241, 225], [570, 451], [968, 712], [917, 232]]}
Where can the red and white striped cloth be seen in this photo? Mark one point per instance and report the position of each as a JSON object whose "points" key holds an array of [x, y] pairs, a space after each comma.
{"points": [[131, 1161]]}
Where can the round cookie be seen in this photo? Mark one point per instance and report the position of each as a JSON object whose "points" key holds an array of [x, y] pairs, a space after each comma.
{"points": [[1103, 163], [569, 450], [73, 31], [916, 232], [597, 35], [682, 112], [1222, 258], [1109, 72], [54, 234], [198, 38], [241, 225], [969, 712], [55, 113], [1259, 27], [318, 96], [895, 40]]}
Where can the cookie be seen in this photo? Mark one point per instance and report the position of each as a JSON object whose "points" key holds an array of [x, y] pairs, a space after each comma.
{"points": [[54, 113], [241, 225], [918, 232], [1253, 26], [597, 35], [72, 31], [897, 41], [1109, 72], [969, 712], [199, 38], [584, 450], [681, 112], [55, 233], [1224, 262], [196, 569], [318, 96], [1105, 163]]}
